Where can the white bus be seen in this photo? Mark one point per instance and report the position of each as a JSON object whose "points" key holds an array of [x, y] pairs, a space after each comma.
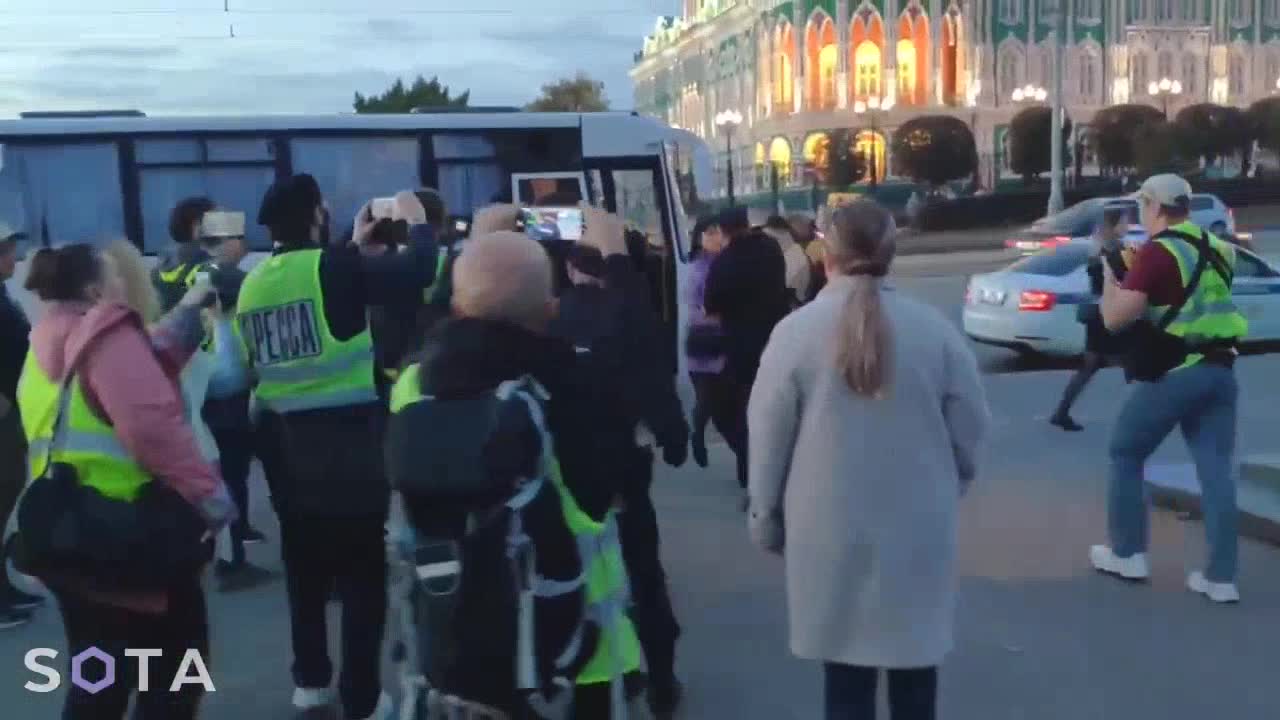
{"points": [[93, 178]]}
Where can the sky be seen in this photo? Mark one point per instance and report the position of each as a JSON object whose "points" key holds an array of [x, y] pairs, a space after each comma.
{"points": [[168, 57]]}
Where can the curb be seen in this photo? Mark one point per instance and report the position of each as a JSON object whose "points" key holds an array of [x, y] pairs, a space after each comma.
{"points": [[1175, 487]]}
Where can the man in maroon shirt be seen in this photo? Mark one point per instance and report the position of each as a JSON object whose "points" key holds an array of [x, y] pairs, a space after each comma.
{"points": [[1199, 395]]}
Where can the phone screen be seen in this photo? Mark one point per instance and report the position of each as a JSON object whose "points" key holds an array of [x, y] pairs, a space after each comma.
{"points": [[553, 223]]}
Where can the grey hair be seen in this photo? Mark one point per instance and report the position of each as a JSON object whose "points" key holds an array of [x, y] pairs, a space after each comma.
{"points": [[860, 243]]}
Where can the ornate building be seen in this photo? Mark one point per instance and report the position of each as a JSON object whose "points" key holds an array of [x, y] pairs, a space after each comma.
{"points": [[795, 71]]}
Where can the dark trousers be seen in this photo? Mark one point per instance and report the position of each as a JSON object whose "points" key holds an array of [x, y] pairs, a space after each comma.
{"points": [[1090, 364], [349, 553], [850, 692], [727, 398], [702, 392], [182, 627], [235, 458], [651, 609], [13, 477]]}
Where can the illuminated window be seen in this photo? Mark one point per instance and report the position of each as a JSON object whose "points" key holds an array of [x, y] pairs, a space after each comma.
{"points": [[780, 156], [827, 60], [783, 80], [907, 71], [817, 152], [871, 147], [867, 61]]}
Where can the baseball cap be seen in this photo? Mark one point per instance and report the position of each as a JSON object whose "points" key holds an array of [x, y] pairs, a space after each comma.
{"points": [[1168, 190], [221, 224]]}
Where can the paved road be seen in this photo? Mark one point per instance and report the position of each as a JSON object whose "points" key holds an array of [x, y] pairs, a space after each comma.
{"points": [[1040, 636]]}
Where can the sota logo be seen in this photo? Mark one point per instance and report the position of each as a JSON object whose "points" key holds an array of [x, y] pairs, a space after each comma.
{"points": [[94, 670]]}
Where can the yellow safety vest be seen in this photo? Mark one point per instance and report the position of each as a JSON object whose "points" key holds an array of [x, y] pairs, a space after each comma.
{"points": [[1210, 313], [605, 573], [286, 339], [86, 442]]}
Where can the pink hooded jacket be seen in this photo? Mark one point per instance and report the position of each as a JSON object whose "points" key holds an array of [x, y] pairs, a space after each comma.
{"points": [[131, 378]]}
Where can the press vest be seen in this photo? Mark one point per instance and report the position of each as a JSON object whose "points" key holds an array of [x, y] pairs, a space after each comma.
{"points": [[1210, 313], [87, 442], [285, 336], [604, 572]]}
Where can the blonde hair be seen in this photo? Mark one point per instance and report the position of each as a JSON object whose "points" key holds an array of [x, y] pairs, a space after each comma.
{"points": [[140, 293], [503, 276], [859, 243]]}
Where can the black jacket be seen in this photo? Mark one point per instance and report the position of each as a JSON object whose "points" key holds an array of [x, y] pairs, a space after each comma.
{"points": [[14, 341], [618, 325], [328, 462], [1097, 338], [747, 288]]}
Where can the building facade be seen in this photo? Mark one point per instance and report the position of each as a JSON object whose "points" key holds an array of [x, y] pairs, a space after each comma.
{"points": [[796, 71]]}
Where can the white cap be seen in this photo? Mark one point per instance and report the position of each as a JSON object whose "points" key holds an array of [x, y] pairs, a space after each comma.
{"points": [[222, 224], [1168, 190]]}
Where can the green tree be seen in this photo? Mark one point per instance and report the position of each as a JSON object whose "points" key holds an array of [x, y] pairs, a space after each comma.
{"points": [[579, 93], [423, 93], [1263, 121], [1157, 149], [1030, 151], [845, 165], [934, 149], [1114, 130], [1211, 131]]}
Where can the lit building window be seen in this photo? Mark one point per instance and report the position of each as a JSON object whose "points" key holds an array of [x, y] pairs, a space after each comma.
{"points": [[871, 147], [780, 157], [906, 71], [867, 61], [827, 60]]}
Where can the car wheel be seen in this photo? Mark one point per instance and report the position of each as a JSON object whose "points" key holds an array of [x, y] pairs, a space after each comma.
{"points": [[1219, 228]]}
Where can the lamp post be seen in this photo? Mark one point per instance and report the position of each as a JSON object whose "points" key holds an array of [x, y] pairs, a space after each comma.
{"points": [[873, 107], [1166, 88], [728, 121]]}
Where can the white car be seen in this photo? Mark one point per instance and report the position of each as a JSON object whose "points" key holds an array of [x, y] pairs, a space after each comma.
{"points": [[1081, 221], [1030, 306]]}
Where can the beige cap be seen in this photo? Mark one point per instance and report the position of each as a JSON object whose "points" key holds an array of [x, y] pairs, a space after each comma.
{"points": [[222, 224], [8, 233], [1168, 190]]}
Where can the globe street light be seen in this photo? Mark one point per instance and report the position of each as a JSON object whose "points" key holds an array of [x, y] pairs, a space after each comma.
{"points": [[873, 107], [1163, 89], [1030, 93], [728, 121]]}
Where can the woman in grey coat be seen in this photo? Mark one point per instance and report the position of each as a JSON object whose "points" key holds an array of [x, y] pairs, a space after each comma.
{"points": [[865, 420]]}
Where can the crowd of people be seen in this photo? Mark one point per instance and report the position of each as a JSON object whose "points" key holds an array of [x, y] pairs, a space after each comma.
{"points": [[489, 407]]}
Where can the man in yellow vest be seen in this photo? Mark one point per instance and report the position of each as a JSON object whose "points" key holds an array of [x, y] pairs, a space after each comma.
{"points": [[1177, 300], [175, 272], [503, 306], [302, 322]]}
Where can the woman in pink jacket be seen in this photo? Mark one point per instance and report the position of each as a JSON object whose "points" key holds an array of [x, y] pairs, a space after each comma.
{"points": [[130, 379]]}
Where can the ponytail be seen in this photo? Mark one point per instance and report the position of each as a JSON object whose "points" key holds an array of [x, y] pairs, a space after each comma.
{"points": [[63, 274], [861, 241]]}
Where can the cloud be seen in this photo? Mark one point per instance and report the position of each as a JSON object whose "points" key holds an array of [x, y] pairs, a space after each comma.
{"points": [[122, 52]]}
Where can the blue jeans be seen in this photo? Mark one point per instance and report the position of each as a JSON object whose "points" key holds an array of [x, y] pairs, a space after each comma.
{"points": [[1201, 399], [850, 692]]}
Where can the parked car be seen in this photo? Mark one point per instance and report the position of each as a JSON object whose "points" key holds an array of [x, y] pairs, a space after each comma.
{"points": [[1030, 306], [1080, 220]]}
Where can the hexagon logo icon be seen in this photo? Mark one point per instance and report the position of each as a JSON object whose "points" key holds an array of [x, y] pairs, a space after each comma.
{"points": [[77, 671]]}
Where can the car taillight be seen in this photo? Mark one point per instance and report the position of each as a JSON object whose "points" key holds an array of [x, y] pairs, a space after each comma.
{"points": [[1037, 301], [1055, 241]]}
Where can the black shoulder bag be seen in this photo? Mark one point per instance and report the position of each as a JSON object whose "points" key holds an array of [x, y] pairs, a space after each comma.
{"points": [[1154, 351], [68, 529]]}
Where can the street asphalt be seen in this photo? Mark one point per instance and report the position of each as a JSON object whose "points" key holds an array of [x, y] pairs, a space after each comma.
{"points": [[1040, 636]]}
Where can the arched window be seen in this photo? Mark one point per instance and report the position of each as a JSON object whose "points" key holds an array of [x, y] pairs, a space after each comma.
{"points": [[871, 147], [1141, 73], [1235, 75], [1010, 70], [1164, 68], [1089, 11], [1011, 11], [867, 65], [906, 70], [780, 156], [1089, 71], [1046, 66], [783, 69], [1271, 12], [1241, 12], [1190, 75], [817, 152]]}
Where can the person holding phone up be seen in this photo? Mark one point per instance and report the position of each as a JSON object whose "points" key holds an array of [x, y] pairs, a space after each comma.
{"points": [[303, 328]]}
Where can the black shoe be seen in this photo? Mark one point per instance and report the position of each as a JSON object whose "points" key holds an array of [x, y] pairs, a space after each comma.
{"points": [[698, 443], [665, 697], [1065, 422], [15, 599], [244, 576], [12, 618], [252, 536]]}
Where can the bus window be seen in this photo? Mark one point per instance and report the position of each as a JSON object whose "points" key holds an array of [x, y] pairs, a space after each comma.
{"points": [[353, 170], [467, 187], [64, 193], [553, 188]]}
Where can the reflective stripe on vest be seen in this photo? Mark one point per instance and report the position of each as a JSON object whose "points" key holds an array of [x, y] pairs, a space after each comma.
{"points": [[1210, 313], [85, 441], [283, 331]]}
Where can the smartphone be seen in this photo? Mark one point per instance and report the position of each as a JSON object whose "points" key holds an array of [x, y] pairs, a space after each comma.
{"points": [[461, 226], [552, 223], [382, 208]]}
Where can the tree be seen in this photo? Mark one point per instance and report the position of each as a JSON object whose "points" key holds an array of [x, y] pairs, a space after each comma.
{"points": [[1030, 152], [422, 94], [1114, 130], [1211, 131], [579, 93], [1157, 149], [1263, 120], [934, 149], [845, 165]]}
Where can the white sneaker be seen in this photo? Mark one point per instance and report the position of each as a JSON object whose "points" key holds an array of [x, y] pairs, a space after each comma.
{"points": [[1133, 567], [312, 698], [384, 711], [1217, 592]]}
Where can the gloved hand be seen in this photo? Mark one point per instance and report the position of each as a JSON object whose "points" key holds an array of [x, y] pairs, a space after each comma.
{"points": [[676, 454]]}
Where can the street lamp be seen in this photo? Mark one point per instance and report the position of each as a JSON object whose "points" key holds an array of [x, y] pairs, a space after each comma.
{"points": [[1030, 93], [873, 107], [1164, 89], [728, 121]]}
